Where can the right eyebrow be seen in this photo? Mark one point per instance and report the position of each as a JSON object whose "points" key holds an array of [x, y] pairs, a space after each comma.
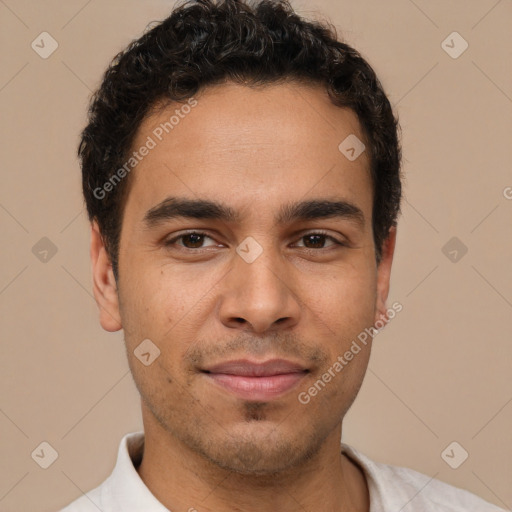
{"points": [[173, 207]]}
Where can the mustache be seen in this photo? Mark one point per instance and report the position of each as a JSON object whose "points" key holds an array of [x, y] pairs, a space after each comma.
{"points": [[278, 345]]}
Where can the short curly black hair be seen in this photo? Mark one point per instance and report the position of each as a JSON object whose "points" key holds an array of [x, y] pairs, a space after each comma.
{"points": [[207, 42]]}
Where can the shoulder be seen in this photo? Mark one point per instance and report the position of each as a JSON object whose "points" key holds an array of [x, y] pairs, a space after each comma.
{"points": [[399, 488], [90, 502], [123, 487]]}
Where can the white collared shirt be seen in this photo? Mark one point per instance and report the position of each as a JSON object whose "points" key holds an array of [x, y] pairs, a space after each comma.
{"points": [[391, 488]]}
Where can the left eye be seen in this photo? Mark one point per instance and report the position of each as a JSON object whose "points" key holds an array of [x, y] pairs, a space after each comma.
{"points": [[318, 240]]}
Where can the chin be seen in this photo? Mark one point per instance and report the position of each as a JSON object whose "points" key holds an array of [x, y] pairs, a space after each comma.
{"points": [[261, 452]]}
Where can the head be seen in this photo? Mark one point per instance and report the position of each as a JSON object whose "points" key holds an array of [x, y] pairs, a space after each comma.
{"points": [[230, 222]]}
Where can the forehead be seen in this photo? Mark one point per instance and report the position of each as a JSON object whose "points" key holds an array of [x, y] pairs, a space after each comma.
{"points": [[231, 142]]}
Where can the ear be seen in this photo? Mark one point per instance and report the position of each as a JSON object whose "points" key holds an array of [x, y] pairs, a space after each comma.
{"points": [[104, 283], [383, 276]]}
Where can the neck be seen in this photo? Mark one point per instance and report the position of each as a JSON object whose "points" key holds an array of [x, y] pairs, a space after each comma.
{"points": [[181, 479]]}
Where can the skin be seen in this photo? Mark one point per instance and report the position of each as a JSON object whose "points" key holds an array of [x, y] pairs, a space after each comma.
{"points": [[254, 150]]}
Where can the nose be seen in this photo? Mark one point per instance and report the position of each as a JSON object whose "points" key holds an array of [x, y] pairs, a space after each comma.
{"points": [[259, 296]]}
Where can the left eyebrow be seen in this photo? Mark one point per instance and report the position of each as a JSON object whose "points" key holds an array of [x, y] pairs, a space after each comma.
{"points": [[321, 209]]}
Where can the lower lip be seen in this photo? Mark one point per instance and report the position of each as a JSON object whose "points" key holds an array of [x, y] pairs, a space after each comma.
{"points": [[257, 388]]}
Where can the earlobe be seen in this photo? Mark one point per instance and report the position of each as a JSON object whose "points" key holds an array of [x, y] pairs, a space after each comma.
{"points": [[104, 284], [384, 275]]}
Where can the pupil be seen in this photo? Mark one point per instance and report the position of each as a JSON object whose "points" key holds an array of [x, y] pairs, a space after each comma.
{"points": [[194, 240], [316, 239]]}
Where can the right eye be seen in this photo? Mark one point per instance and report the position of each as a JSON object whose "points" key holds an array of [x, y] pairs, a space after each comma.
{"points": [[190, 240]]}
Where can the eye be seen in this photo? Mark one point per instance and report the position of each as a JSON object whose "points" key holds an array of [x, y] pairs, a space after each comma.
{"points": [[317, 240], [191, 240]]}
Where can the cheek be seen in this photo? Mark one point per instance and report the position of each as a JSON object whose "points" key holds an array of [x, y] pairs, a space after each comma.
{"points": [[164, 302], [346, 298]]}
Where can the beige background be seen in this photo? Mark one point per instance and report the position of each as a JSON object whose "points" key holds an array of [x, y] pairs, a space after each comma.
{"points": [[440, 372]]}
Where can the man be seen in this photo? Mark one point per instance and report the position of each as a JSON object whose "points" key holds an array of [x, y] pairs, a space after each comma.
{"points": [[241, 170]]}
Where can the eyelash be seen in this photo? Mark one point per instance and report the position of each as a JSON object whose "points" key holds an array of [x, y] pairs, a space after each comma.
{"points": [[172, 241]]}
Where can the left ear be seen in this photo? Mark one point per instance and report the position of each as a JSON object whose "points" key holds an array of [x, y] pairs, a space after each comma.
{"points": [[383, 275]]}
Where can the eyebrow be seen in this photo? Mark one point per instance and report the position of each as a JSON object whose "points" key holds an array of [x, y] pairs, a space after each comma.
{"points": [[203, 209], [173, 207], [321, 209]]}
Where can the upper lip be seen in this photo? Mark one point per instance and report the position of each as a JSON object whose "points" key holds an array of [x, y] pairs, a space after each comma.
{"points": [[256, 369]]}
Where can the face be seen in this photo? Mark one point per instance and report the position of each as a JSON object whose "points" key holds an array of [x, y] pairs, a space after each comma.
{"points": [[247, 239]]}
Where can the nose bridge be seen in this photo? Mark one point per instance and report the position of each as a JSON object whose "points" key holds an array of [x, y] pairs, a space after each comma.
{"points": [[256, 291]]}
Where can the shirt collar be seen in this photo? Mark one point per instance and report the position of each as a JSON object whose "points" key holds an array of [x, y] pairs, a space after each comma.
{"points": [[124, 489]]}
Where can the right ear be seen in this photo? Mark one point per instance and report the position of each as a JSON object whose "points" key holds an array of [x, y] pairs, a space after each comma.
{"points": [[104, 283]]}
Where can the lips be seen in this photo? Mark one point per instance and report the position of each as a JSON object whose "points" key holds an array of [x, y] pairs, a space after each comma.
{"points": [[254, 369], [256, 380]]}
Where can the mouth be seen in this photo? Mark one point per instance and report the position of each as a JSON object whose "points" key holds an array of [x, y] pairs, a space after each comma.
{"points": [[256, 381]]}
